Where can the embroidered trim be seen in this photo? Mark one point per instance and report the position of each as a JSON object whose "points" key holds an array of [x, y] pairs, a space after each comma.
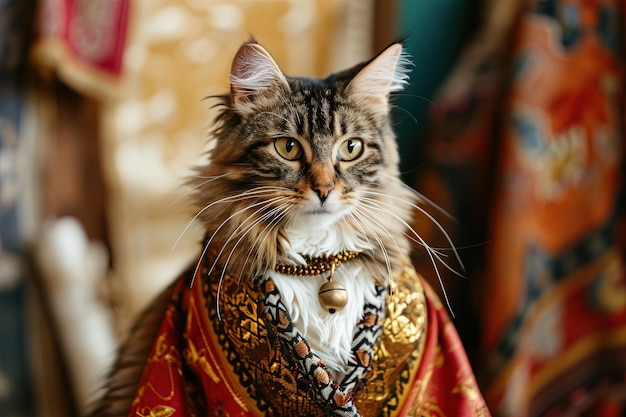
{"points": [[335, 398], [271, 377]]}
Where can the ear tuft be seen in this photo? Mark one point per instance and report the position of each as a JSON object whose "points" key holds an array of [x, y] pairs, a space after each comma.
{"points": [[386, 73], [253, 74]]}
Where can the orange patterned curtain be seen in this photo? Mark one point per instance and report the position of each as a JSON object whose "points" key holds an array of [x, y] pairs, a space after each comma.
{"points": [[539, 167]]}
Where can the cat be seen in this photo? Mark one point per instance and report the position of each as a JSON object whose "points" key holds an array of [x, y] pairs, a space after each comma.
{"points": [[303, 301]]}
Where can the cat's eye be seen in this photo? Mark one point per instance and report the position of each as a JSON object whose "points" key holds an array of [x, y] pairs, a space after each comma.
{"points": [[288, 148], [350, 149]]}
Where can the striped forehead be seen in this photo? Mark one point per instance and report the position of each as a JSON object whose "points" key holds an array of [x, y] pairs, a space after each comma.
{"points": [[316, 103]]}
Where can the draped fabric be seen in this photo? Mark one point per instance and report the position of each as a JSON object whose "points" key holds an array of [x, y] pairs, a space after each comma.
{"points": [[557, 323], [549, 192], [201, 365]]}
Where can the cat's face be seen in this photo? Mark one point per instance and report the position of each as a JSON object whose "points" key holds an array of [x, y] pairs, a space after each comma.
{"points": [[319, 142], [299, 159], [315, 145]]}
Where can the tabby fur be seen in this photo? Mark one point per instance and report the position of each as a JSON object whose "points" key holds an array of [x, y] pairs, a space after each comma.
{"points": [[260, 206]]}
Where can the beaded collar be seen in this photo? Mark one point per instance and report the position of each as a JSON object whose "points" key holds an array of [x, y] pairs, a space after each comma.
{"points": [[316, 265], [332, 295]]}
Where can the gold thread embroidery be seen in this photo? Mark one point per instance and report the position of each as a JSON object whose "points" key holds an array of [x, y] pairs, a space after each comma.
{"points": [[193, 356], [166, 355], [224, 379], [465, 387], [261, 370], [158, 411]]}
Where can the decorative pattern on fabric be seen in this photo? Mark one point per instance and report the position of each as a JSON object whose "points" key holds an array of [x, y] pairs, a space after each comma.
{"points": [[335, 398], [240, 366], [539, 167], [270, 378]]}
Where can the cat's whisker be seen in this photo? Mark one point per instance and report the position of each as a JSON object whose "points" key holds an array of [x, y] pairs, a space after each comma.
{"points": [[424, 98], [210, 177], [236, 214], [401, 94], [243, 234], [263, 234], [432, 255], [422, 197], [404, 229], [364, 210], [237, 231], [438, 255], [356, 223], [417, 239], [475, 245], [255, 192], [428, 215], [359, 218], [275, 220], [197, 267], [440, 279], [359, 214], [405, 111], [193, 189]]}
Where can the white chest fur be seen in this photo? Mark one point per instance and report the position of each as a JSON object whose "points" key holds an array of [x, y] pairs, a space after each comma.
{"points": [[330, 334]]}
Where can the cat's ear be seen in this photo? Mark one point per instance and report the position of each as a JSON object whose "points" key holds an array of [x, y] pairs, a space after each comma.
{"points": [[386, 73], [254, 74]]}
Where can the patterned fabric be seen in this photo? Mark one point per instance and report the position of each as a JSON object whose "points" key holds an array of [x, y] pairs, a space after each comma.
{"points": [[553, 287], [555, 334], [251, 361], [337, 398]]}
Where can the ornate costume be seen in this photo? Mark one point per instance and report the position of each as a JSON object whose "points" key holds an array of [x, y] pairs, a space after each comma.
{"points": [[227, 347]]}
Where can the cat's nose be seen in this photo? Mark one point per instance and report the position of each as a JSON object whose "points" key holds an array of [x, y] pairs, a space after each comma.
{"points": [[322, 179], [322, 191]]}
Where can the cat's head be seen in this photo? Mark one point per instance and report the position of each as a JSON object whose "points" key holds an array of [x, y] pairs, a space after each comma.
{"points": [[293, 156]]}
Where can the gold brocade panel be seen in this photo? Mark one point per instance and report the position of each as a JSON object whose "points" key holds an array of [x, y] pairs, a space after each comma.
{"points": [[271, 381]]}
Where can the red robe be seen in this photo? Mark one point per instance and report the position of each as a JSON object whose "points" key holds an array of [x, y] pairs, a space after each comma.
{"points": [[419, 367]]}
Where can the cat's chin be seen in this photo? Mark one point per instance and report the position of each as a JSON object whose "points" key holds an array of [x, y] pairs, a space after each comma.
{"points": [[319, 218], [314, 236], [311, 214]]}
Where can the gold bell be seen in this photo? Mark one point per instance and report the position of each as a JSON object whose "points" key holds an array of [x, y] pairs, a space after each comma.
{"points": [[333, 296]]}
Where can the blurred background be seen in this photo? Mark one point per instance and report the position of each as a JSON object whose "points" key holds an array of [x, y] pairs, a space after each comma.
{"points": [[513, 124]]}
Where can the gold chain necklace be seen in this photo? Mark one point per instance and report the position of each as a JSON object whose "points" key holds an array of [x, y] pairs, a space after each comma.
{"points": [[316, 265], [332, 295]]}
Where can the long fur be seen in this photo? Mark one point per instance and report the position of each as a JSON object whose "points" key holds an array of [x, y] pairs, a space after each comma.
{"points": [[265, 208], [259, 208]]}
